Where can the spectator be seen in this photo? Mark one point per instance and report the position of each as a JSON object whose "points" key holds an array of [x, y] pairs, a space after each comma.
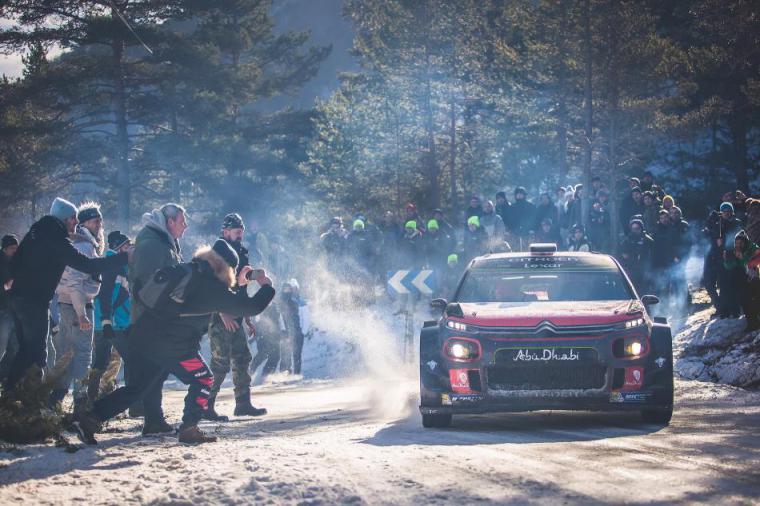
{"points": [[752, 207], [450, 277], [291, 348], [546, 209], [647, 181], [502, 208], [651, 212], [411, 247], [492, 223], [7, 337], [600, 222], [548, 233], [443, 225], [361, 248], [111, 312], [475, 239], [523, 217], [575, 207], [156, 247], [334, 243], [269, 334], [36, 269], [578, 240], [388, 246], [437, 245], [411, 214], [733, 291], [631, 206], [636, 252], [663, 255]]}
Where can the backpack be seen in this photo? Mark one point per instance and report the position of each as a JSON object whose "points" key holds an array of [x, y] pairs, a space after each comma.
{"points": [[166, 290]]}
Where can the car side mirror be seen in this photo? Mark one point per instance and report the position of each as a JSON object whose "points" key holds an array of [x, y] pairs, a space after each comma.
{"points": [[439, 304], [650, 300]]}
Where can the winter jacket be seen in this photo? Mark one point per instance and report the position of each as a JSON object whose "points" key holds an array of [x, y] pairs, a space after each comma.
{"points": [[546, 211], [475, 243], [636, 258], [753, 220], [576, 246], [76, 287], [360, 245], [289, 309], [751, 255], [628, 209], [504, 211], [651, 215], [42, 256], [178, 336], [493, 225], [334, 243], [112, 303], [411, 251], [155, 249], [437, 247], [664, 252], [523, 217]]}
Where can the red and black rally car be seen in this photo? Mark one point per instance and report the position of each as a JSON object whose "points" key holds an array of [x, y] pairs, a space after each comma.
{"points": [[545, 330]]}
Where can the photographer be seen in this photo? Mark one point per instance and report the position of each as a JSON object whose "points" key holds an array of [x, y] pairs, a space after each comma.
{"points": [[721, 229], [167, 336]]}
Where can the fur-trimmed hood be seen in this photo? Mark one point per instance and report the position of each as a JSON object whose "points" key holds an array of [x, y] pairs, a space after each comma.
{"points": [[220, 268]]}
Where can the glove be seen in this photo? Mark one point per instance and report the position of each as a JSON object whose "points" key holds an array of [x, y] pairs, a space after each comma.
{"points": [[108, 332]]}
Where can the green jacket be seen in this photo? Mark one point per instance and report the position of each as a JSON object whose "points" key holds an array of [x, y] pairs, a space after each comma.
{"points": [[154, 249], [731, 262]]}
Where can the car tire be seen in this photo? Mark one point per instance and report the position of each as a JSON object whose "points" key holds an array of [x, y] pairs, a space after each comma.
{"points": [[660, 417], [436, 421]]}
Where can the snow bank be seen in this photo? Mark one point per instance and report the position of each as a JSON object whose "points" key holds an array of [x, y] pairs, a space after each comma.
{"points": [[717, 350]]}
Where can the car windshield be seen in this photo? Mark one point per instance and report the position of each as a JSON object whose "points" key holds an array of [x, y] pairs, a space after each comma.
{"points": [[486, 285]]}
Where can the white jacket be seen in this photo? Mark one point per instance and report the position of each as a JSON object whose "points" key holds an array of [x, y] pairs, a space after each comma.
{"points": [[77, 288]]}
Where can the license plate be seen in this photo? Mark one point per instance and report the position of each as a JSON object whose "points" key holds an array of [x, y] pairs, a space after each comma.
{"points": [[545, 355]]}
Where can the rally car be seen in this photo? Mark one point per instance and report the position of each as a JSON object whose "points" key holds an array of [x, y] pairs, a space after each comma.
{"points": [[545, 330]]}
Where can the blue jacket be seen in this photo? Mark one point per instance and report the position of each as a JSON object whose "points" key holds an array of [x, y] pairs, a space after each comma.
{"points": [[112, 303]]}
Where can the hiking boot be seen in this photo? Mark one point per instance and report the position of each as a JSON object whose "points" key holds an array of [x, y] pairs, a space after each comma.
{"points": [[243, 407], [193, 435], [157, 428], [86, 424], [211, 414]]}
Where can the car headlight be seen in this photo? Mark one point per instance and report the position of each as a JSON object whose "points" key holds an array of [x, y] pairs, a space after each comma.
{"points": [[462, 349], [634, 347], [630, 347], [456, 326]]}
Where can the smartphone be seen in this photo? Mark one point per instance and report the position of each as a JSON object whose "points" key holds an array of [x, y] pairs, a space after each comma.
{"points": [[255, 274]]}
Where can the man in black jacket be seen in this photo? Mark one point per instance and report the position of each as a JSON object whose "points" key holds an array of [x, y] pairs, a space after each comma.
{"points": [[229, 344], [7, 337], [167, 340], [37, 267]]}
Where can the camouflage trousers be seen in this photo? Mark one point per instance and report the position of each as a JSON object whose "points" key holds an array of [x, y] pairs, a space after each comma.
{"points": [[229, 350]]}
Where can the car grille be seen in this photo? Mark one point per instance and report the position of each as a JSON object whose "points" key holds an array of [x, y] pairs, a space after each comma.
{"points": [[584, 374]]}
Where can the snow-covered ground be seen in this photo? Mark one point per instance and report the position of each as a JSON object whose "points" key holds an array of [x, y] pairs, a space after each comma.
{"points": [[717, 350], [356, 442]]}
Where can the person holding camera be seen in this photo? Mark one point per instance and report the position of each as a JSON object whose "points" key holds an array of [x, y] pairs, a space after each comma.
{"points": [[229, 344], [178, 302]]}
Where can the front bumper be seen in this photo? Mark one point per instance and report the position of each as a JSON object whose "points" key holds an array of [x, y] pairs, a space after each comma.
{"points": [[611, 386]]}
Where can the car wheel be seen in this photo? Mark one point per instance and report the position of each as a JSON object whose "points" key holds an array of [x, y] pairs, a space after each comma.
{"points": [[436, 421], [659, 416]]}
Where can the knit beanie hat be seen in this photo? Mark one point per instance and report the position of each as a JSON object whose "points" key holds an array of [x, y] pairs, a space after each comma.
{"points": [[473, 220], [358, 225], [233, 221], [62, 209], [116, 240], [9, 240], [668, 199], [410, 224], [224, 250], [726, 206], [432, 225], [88, 211], [453, 258]]}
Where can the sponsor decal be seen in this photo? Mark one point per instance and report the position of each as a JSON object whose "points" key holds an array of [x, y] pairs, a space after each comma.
{"points": [[660, 362], [546, 355], [467, 398], [432, 364], [634, 378], [630, 397], [445, 400]]}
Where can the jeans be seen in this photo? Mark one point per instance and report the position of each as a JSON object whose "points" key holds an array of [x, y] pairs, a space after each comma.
{"points": [[71, 339], [31, 322]]}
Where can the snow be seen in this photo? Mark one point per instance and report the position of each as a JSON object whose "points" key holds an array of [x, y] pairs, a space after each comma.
{"points": [[717, 350]]}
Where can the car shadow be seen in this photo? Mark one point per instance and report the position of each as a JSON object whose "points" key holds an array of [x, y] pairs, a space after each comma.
{"points": [[514, 428]]}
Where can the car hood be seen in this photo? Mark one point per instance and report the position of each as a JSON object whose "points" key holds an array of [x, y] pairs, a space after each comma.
{"points": [[531, 314]]}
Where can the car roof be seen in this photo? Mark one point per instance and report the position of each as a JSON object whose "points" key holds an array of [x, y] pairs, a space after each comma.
{"points": [[580, 259]]}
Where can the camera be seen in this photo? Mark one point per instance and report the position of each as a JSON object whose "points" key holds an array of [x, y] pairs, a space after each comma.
{"points": [[254, 274]]}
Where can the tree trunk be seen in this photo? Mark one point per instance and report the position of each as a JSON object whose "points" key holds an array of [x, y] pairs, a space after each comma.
{"points": [[562, 102], [434, 197], [453, 156], [614, 109], [177, 176], [123, 176], [738, 127], [588, 113]]}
